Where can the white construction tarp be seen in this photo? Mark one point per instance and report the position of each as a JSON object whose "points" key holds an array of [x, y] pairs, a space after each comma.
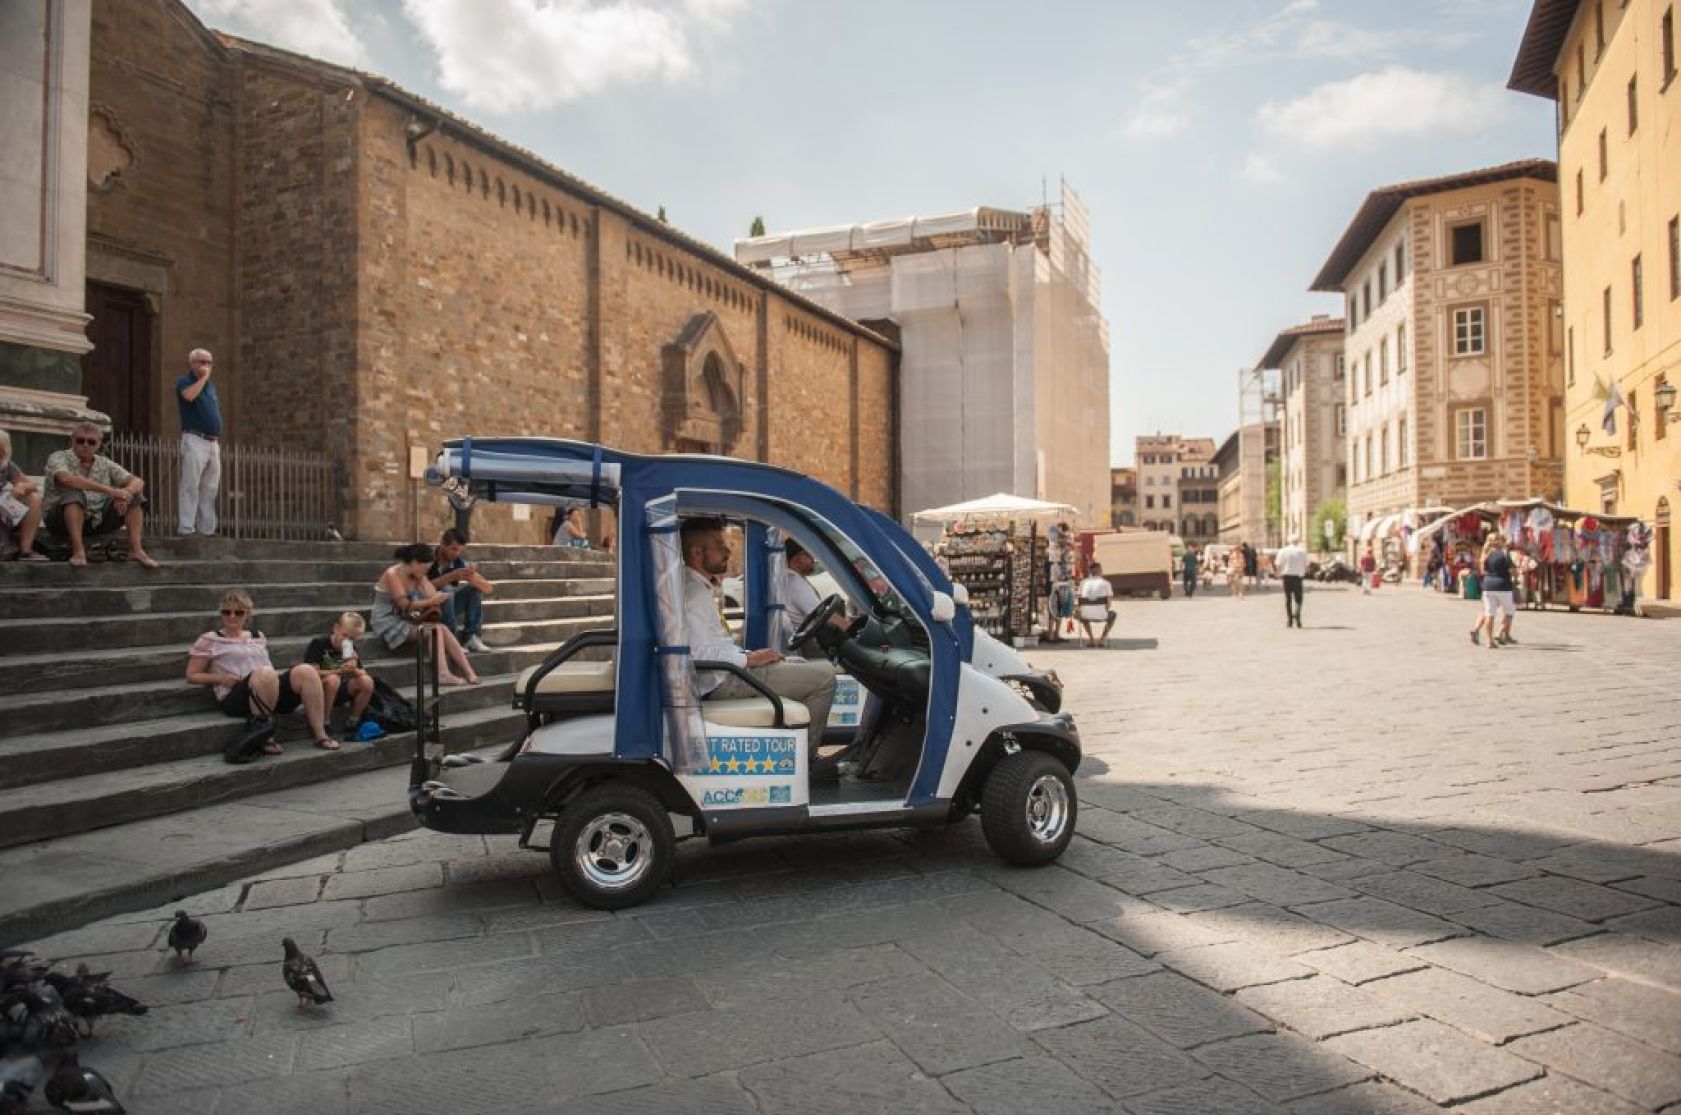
{"points": [[902, 232]]}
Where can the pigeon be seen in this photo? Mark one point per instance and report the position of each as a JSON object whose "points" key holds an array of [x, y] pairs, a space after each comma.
{"points": [[333, 534], [185, 936], [75, 1087], [88, 997], [303, 975]]}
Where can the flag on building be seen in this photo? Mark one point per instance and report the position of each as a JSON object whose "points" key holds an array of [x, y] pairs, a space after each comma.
{"points": [[1613, 400]]}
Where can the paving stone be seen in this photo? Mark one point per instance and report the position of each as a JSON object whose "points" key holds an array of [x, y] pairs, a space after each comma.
{"points": [[315, 865], [1421, 892], [590, 936], [1131, 835], [1647, 1014], [1321, 1007], [1186, 900], [276, 1011], [1609, 1061], [592, 1062], [1280, 1067], [100, 937], [1191, 821], [1574, 897], [432, 956], [1027, 995], [508, 866], [1270, 927], [1150, 933], [1528, 924], [1074, 897], [733, 1037], [548, 917], [1599, 863], [496, 1078], [935, 1025], [1276, 885], [470, 898], [218, 1064], [711, 1095], [642, 1001], [1003, 914], [1229, 967], [247, 979], [753, 981], [1284, 851], [1384, 922], [1119, 1057], [495, 983], [1360, 962], [318, 1093], [1134, 874], [1302, 825], [529, 1017], [1034, 1083], [1487, 1012], [1200, 1097], [339, 1046], [1180, 1010], [1653, 886], [186, 985], [1472, 870], [1435, 1060], [1634, 957], [1509, 845], [866, 1078], [1506, 964], [1394, 848], [1344, 869], [283, 892], [1662, 924], [383, 880], [1551, 1095], [167, 1027], [802, 940], [421, 847], [1079, 956], [372, 935], [1205, 857], [1366, 1099]]}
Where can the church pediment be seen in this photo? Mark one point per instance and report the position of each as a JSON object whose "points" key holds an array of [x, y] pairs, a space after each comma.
{"points": [[703, 386]]}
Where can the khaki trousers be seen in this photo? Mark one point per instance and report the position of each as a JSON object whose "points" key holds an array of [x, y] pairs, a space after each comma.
{"points": [[810, 683]]}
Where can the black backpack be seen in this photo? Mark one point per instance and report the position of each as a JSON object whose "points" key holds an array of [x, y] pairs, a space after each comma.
{"points": [[390, 710], [258, 734]]}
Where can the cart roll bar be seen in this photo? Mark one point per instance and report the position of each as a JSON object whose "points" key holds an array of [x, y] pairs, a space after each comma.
{"points": [[701, 665], [578, 642]]}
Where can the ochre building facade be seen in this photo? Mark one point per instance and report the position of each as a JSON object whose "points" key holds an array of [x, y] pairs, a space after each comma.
{"points": [[376, 275]]}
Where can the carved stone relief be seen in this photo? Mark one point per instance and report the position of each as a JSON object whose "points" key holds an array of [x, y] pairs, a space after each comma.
{"points": [[110, 153], [703, 385]]}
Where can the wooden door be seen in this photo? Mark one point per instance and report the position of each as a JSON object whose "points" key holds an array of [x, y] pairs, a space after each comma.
{"points": [[117, 375], [1661, 543]]}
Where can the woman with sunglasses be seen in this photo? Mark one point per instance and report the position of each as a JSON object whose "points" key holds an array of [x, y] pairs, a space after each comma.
{"points": [[235, 661]]}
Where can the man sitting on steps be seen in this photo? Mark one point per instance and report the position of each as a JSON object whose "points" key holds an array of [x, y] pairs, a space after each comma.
{"points": [[88, 494], [707, 555]]}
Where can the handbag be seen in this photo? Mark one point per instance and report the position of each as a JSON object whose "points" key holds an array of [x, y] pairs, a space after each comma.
{"points": [[430, 614], [259, 733], [389, 710]]}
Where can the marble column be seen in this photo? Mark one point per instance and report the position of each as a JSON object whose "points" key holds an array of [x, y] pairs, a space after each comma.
{"points": [[44, 61]]}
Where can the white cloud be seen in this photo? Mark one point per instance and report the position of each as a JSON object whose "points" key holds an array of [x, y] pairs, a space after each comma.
{"points": [[1395, 101], [318, 28], [1158, 113], [505, 56], [1258, 170]]}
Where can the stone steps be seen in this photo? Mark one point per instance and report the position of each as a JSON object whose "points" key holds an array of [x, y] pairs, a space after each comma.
{"points": [[113, 790]]}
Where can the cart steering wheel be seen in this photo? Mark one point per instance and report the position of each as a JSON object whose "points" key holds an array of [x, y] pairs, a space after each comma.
{"points": [[815, 619]]}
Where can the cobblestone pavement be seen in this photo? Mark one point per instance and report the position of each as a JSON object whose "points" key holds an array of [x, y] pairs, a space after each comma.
{"points": [[1361, 867]]}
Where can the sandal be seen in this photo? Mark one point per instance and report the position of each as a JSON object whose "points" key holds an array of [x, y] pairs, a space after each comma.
{"points": [[327, 743], [32, 555], [272, 747]]}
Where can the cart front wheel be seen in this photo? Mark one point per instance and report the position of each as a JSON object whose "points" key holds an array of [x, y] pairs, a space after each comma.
{"points": [[613, 847], [1028, 809]]}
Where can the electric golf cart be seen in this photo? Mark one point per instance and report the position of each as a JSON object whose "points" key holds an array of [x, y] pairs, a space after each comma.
{"points": [[616, 740]]}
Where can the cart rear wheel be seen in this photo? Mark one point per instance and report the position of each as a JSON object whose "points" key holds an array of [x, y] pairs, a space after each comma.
{"points": [[613, 846], [1028, 809]]}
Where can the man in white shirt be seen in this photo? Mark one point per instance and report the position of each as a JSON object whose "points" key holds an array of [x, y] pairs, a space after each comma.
{"points": [[796, 593], [1292, 567], [1095, 593], [707, 555]]}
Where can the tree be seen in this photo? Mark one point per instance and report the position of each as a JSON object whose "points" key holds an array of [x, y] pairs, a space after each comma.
{"points": [[1335, 512], [1275, 496], [660, 216], [757, 228]]}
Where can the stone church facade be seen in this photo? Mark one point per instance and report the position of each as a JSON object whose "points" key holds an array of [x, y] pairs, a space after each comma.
{"points": [[376, 275]]}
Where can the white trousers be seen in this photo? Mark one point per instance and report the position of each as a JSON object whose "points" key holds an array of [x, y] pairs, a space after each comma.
{"points": [[201, 475]]}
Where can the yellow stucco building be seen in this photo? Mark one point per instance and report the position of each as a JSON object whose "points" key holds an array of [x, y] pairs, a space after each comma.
{"points": [[1611, 68]]}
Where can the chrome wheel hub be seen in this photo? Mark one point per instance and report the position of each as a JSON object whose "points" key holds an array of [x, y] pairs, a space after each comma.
{"points": [[1047, 809], [613, 851]]}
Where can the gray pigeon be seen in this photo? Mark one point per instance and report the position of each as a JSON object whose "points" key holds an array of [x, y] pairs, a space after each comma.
{"points": [[303, 975], [75, 1087], [185, 936]]}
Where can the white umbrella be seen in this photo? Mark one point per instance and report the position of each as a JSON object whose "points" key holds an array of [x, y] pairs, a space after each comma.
{"points": [[1001, 505]]}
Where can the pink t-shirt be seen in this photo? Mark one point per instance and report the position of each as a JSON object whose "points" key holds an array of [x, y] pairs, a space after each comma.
{"points": [[238, 657]]}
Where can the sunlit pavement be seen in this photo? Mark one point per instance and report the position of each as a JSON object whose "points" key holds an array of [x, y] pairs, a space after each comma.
{"points": [[1364, 866]]}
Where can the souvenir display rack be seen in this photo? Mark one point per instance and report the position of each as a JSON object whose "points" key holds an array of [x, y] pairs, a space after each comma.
{"points": [[1563, 558], [997, 563]]}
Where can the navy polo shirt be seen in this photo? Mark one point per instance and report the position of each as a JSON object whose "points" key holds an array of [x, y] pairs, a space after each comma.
{"points": [[203, 415]]}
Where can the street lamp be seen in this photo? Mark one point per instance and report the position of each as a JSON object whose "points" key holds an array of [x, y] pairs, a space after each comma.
{"points": [[1582, 436], [1664, 400]]}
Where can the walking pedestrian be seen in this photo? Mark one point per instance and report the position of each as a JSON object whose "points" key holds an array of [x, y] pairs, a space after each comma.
{"points": [[1192, 563], [1498, 601], [201, 446], [1292, 568], [1368, 571], [1251, 563], [1234, 572]]}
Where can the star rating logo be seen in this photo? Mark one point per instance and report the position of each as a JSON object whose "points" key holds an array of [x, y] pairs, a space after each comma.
{"points": [[733, 766], [714, 766]]}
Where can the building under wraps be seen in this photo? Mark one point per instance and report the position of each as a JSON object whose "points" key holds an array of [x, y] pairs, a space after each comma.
{"points": [[1004, 370]]}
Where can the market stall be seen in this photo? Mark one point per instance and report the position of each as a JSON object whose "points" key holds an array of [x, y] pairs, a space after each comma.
{"points": [[996, 548], [1564, 558]]}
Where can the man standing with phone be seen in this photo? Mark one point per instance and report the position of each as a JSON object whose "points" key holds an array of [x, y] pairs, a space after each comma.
{"points": [[201, 446]]}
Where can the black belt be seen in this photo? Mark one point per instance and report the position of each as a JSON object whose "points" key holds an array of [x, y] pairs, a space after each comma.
{"points": [[205, 437]]}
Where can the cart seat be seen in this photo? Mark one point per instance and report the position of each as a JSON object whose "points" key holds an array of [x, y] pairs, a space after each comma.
{"points": [[570, 677], [753, 712]]}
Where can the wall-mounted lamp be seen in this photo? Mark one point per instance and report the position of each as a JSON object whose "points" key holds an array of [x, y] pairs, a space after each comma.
{"points": [[1663, 399], [1582, 436]]}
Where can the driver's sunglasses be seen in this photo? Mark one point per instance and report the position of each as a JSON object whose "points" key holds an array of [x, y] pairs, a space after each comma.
{"points": [[233, 611], [93, 441]]}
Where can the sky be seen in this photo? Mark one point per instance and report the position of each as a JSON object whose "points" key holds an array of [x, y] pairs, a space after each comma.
{"points": [[1221, 146]]}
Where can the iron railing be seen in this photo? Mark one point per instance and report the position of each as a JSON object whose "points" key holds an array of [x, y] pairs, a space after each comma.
{"points": [[265, 493]]}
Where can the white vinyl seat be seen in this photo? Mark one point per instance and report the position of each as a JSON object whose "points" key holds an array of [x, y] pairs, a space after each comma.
{"points": [[753, 712], [569, 678]]}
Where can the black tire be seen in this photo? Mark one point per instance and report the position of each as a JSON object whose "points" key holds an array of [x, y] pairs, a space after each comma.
{"points": [[1019, 800], [597, 817]]}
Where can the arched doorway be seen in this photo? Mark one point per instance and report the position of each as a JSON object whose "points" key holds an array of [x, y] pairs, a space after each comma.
{"points": [[1661, 542]]}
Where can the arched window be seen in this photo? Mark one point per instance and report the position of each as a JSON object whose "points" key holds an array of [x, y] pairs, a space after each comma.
{"points": [[501, 193], [546, 214], [449, 168], [484, 183], [431, 162]]}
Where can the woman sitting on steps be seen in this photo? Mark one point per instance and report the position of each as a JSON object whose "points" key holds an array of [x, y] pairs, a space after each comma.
{"points": [[235, 661], [402, 599]]}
